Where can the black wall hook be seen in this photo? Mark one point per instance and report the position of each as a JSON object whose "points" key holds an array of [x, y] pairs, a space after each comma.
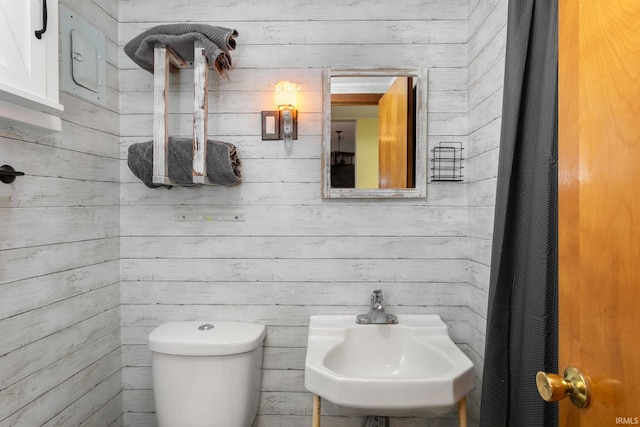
{"points": [[8, 174]]}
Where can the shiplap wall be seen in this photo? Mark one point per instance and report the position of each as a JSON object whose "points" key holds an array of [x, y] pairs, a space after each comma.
{"points": [[295, 254], [59, 261], [485, 78]]}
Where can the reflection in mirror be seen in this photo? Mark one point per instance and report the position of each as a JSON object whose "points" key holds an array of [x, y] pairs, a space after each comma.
{"points": [[374, 142]]}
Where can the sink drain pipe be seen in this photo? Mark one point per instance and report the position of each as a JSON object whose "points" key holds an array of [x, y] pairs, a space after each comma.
{"points": [[376, 421]]}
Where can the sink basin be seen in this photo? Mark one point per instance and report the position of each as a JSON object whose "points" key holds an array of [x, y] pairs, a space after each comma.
{"points": [[412, 368]]}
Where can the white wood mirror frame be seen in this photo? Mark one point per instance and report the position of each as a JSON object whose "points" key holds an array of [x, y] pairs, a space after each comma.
{"points": [[420, 190]]}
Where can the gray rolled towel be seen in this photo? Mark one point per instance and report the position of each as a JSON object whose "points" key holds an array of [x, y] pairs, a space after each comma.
{"points": [[223, 165], [217, 42]]}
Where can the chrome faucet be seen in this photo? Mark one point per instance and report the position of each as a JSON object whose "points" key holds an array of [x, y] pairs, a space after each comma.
{"points": [[376, 314]]}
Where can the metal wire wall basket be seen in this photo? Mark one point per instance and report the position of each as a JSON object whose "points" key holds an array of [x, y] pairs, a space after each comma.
{"points": [[447, 162]]}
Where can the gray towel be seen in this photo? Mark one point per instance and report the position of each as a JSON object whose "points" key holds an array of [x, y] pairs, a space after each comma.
{"points": [[223, 164], [217, 42]]}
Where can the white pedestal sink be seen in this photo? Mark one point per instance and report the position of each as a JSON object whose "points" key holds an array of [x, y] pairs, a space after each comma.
{"points": [[412, 368]]}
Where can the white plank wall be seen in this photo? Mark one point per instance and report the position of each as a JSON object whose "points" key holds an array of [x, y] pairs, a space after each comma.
{"points": [[91, 260], [486, 54], [60, 334], [296, 254]]}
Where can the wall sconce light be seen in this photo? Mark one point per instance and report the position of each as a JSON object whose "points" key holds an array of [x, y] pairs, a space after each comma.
{"points": [[282, 123]]}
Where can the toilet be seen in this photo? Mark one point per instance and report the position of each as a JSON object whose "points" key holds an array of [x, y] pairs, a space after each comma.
{"points": [[206, 374]]}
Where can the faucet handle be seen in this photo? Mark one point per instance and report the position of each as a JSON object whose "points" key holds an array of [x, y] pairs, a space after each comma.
{"points": [[376, 300], [376, 314]]}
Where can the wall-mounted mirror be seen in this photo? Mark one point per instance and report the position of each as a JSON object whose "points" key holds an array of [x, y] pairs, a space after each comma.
{"points": [[374, 142]]}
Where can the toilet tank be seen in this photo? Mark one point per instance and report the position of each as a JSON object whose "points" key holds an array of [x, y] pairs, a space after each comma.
{"points": [[206, 373]]}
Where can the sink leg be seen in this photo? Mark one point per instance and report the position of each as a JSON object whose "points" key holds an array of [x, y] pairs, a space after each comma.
{"points": [[462, 412], [316, 411]]}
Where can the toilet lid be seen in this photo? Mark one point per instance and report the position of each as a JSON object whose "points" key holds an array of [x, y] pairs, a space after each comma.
{"points": [[206, 338]]}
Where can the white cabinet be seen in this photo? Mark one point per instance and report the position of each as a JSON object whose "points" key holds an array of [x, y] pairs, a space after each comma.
{"points": [[28, 64]]}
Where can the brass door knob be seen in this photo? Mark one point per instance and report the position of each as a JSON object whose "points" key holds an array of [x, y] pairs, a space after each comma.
{"points": [[553, 387]]}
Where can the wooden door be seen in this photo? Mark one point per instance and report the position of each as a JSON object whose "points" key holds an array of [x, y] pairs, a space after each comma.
{"points": [[599, 221], [395, 116]]}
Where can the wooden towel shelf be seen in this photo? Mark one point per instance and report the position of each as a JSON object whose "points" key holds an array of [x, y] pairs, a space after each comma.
{"points": [[166, 61]]}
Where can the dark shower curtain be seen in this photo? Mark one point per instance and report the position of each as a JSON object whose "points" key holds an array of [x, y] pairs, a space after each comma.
{"points": [[522, 321]]}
